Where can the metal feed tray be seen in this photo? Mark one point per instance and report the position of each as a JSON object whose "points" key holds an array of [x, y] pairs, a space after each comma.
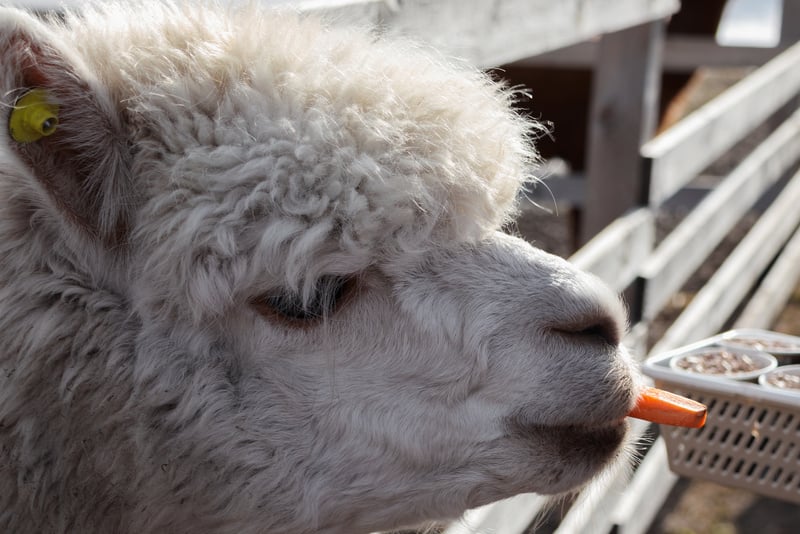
{"points": [[751, 439]]}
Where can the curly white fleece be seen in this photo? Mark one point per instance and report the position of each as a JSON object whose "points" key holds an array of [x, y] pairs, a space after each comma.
{"points": [[328, 149]]}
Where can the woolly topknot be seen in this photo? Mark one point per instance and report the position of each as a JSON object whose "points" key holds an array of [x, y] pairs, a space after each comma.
{"points": [[303, 150]]}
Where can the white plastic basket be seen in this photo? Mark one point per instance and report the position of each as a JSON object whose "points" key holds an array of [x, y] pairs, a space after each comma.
{"points": [[751, 438]]}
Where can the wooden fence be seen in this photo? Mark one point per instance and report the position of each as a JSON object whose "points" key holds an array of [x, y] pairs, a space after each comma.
{"points": [[749, 289], [757, 277]]}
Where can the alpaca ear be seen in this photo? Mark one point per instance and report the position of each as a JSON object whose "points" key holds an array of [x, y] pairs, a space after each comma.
{"points": [[64, 128]]}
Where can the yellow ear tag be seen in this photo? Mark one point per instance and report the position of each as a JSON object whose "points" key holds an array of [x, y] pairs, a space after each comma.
{"points": [[33, 117]]}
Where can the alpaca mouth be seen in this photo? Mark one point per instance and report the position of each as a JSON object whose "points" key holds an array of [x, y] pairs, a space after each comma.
{"points": [[564, 457], [593, 439], [574, 441]]}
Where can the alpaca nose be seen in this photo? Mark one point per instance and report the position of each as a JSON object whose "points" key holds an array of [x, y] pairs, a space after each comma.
{"points": [[599, 326]]}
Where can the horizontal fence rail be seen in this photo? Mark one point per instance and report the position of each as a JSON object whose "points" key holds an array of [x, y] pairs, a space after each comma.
{"points": [[723, 293], [678, 155], [686, 247], [616, 255]]}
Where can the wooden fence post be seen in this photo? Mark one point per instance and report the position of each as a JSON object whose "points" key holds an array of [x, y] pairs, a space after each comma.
{"points": [[790, 22], [622, 117]]}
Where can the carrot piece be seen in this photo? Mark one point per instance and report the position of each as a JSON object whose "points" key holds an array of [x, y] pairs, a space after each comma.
{"points": [[665, 408]]}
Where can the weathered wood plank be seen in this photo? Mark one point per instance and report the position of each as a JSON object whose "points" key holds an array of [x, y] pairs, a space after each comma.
{"points": [[500, 31], [682, 53], [685, 249], [677, 155], [774, 292], [616, 254], [790, 22], [622, 117], [364, 13], [485, 33], [717, 300]]}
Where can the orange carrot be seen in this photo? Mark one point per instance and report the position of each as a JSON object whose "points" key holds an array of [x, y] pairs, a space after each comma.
{"points": [[665, 408]]}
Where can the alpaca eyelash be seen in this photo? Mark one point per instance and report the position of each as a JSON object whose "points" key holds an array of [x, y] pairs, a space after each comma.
{"points": [[327, 296]]}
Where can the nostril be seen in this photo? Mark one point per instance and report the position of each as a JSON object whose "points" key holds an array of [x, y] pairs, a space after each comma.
{"points": [[605, 329]]}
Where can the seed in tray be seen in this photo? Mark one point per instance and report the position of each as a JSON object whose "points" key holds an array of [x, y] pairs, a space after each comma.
{"points": [[764, 344], [717, 362], [781, 379]]}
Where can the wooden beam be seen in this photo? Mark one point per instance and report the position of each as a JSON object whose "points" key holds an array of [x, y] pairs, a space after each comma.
{"points": [[682, 53], [493, 33], [622, 117], [790, 22], [688, 245], [718, 299], [483, 33], [364, 13], [679, 154]]}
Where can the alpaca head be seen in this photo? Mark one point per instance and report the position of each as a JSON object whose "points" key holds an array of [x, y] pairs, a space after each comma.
{"points": [[253, 282]]}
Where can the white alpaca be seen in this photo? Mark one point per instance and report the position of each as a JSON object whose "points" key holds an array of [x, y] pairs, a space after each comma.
{"points": [[252, 282]]}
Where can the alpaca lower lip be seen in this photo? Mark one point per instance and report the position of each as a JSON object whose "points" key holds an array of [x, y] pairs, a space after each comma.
{"points": [[581, 442], [591, 431], [571, 436]]}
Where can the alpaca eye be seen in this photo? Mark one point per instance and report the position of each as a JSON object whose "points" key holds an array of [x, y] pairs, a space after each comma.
{"points": [[328, 293]]}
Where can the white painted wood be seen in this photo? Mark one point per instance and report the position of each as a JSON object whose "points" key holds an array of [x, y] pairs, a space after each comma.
{"points": [[509, 516], [682, 53], [680, 153], [485, 33], [647, 491], [616, 254], [775, 290], [687, 247], [496, 32], [364, 13], [718, 299], [622, 117]]}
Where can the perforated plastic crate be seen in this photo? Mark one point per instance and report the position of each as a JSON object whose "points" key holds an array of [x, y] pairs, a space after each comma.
{"points": [[751, 439]]}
